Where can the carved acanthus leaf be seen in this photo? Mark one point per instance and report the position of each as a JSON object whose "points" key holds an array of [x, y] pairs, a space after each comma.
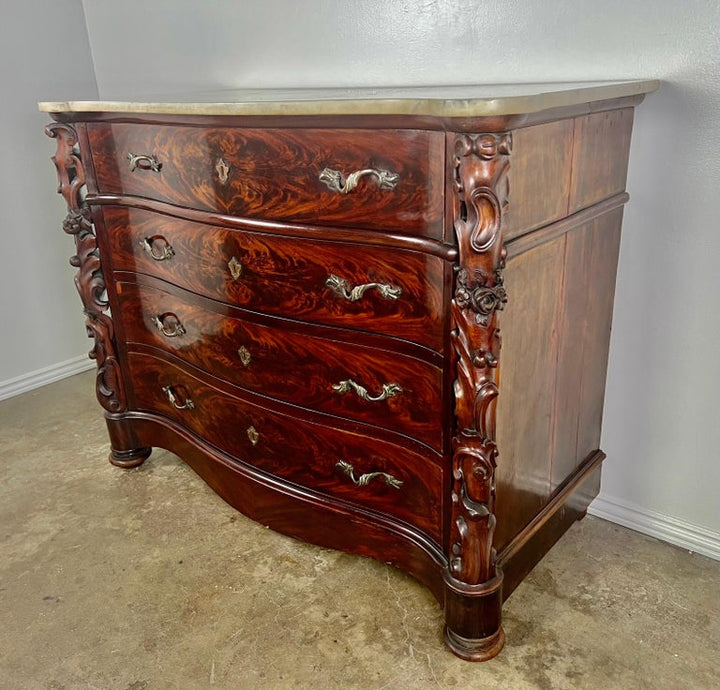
{"points": [[89, 279], [481, 189]]}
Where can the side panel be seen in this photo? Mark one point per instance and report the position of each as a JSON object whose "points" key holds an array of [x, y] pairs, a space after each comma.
{"points": [[591, 261], [556, 327], [556, 335], [540, 171], [529, 328], [600, 157]]}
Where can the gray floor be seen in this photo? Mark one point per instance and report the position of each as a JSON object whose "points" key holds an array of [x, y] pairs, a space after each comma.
{"points": [[145, 579]]}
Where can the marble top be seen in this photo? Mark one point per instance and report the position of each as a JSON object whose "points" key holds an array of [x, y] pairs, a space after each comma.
{"points": [[437, 101]]}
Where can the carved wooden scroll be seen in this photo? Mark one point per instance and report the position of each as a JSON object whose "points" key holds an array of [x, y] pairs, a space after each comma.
{"points": [[89, 279], [480, 182]]}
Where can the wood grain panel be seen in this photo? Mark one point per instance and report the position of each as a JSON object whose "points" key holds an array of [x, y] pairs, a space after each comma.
{"points": [[600, 157], [288, 364], [274, 174], [300, 451], [540, 168], [591, 261], [527, 375], [286, 276]]}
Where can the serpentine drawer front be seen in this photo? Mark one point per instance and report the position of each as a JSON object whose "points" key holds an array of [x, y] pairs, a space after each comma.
{"points": [[395, 292], [308, 453], [271, 358], [376, 179], [377, 321]]}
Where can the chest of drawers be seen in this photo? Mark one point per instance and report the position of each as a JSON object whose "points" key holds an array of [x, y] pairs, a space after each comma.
{"points": [[302, 296]]}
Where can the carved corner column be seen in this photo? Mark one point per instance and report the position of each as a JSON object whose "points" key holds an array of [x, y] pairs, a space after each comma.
{"points": [[90, 284], [473, 581]]}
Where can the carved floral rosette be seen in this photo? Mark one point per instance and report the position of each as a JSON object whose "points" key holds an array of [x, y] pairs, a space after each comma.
{"points": [[89, 279], [480, 168]]}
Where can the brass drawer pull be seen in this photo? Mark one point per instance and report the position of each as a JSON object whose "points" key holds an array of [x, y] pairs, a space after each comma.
{"points": [[336, 181], [172, 396], [168, 324], [342, 288], [235, 267], [158, 247], [364, 479], [388, 390], [143, 162]]}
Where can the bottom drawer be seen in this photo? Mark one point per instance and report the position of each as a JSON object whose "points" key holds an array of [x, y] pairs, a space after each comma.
{"points": [[372, 473]]}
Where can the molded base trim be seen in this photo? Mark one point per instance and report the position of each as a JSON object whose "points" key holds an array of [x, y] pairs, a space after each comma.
{"points": [[129, 458], [686, 535], [568, 504], [475, 650], [41, 377]]}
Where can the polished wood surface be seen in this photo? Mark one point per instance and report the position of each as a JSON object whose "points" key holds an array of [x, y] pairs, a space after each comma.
{"points": [[527, 382], [542, 158], [301, 451], [286, 276], [478, 192], [566, 505], [600, 157], [275, 174], [556, 339], [590, 265], [481, 285], [286, 363]]}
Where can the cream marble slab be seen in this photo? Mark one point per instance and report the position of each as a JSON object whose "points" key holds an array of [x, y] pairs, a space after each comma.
{"points": [[438, 101]]}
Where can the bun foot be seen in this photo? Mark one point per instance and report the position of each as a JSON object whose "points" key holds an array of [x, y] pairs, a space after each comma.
{"points": [[129, 458]]}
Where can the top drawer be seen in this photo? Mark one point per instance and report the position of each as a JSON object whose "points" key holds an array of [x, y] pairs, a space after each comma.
{"points": [[280, 174]]}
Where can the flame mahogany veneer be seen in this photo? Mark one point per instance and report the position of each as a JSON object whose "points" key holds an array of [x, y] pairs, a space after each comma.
{"points": [[325, 349]]}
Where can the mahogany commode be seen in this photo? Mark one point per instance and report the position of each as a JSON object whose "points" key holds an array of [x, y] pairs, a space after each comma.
{"points": [[301, 294]]}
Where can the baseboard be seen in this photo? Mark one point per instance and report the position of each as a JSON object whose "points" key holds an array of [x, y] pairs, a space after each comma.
{"points": [[41, 377], [678, 532]]}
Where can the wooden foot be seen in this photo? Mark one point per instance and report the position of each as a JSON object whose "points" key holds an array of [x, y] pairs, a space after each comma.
{"points": [[129, 458], [126, 450], [472, 618]]}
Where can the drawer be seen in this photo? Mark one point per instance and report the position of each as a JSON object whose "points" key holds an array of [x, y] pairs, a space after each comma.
{"points": [[277, 174], [281, 359], [286, 276], [329, 461]]}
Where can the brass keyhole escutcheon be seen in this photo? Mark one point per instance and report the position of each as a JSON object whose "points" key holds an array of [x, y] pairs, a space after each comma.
{"points": [[253, 435], [223, 171], [236, 268], [244, 355]]}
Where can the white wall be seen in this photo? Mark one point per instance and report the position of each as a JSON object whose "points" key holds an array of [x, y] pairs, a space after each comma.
{"points": [[44, 54], [662, 417]]}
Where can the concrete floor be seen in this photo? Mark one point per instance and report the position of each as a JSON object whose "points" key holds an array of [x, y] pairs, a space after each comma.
{"points": [[145, 579]]}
